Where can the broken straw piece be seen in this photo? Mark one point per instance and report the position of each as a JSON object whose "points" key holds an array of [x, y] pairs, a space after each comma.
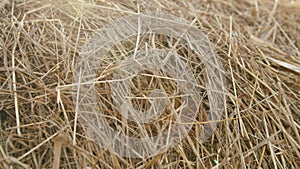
{"points": [[285, 64]]}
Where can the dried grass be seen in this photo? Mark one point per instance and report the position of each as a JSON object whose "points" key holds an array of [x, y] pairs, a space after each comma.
{"points": [[257, 41]]}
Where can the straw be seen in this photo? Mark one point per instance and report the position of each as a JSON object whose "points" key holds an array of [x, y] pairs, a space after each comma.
{"points": [[255, 43]]}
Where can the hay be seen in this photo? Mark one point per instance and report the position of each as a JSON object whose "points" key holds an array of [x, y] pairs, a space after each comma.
{"points": [[257, 43], [178, 59]]}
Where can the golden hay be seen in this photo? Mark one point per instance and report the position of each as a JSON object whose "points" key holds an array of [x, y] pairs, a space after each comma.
{"points": [[257, 42]]}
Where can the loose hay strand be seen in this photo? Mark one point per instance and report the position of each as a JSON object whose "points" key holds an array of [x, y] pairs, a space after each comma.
{"points": [[14, 82]]}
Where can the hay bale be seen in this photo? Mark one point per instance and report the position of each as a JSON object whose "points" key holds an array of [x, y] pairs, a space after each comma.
{"points": [[256, 42]]}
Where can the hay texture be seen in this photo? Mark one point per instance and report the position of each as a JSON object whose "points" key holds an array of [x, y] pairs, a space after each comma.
{"points": [[209, 84]]}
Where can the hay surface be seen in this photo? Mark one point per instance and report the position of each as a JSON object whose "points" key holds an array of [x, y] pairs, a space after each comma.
{"points": [[257, 41]]}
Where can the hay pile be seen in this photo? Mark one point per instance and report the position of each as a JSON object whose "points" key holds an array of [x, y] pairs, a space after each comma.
{"points": [[257, 43]]}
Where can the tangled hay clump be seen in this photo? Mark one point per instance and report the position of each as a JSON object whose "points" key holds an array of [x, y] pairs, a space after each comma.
{"points": [[228, 98], [145, 82]]}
